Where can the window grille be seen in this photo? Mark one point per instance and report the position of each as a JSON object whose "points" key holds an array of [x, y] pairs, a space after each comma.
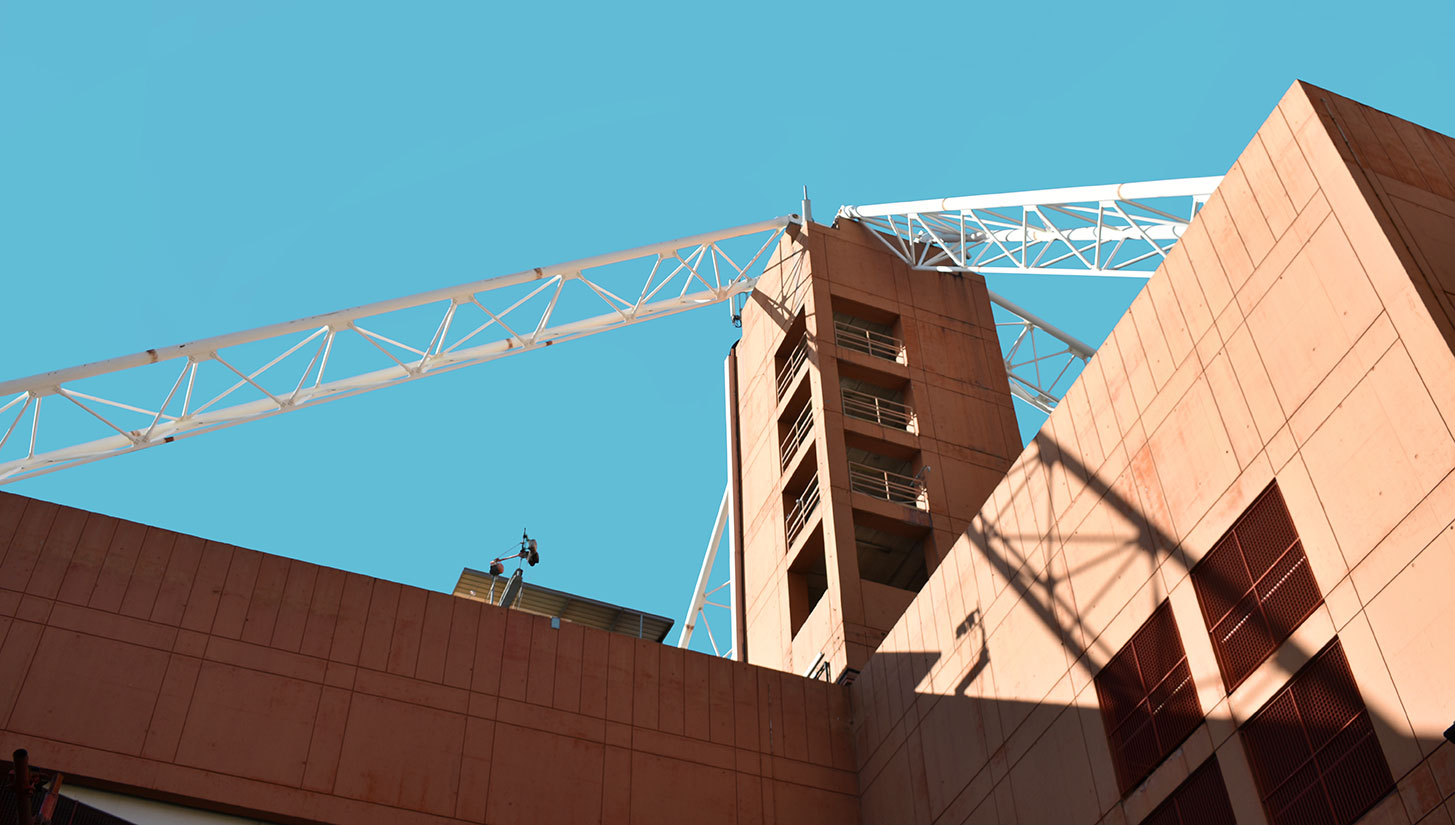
{"points": [[1255, 587], [1148, 700], [1201, 799], [1312, 747]]}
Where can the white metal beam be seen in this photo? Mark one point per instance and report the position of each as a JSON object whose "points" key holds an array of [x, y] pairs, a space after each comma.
{"points": [[1040, 357], [700, 593], [1113, 230], [81, 414]]}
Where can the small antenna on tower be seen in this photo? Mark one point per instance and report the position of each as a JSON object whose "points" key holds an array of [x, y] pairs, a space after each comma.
{"points": [[529, 554], [807, 208]]}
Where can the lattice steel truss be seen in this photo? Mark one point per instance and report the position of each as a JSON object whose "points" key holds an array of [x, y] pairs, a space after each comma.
{"points": [[1039, 358], [82, 414], [1118, 230]]}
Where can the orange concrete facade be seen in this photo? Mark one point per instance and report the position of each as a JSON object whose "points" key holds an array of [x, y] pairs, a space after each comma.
{"points": [[160, 664], [874, 419], [1301, 334]]}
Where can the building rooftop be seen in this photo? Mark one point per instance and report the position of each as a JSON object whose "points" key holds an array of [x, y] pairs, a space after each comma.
{"points": [[543, 601]]}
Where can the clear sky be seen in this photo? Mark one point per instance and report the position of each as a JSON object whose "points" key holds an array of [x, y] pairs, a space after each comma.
{"points": [[170, 171]]}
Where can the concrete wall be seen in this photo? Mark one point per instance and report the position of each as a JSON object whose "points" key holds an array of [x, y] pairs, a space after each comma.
{"points": [[1300, 331], [166, 666]]}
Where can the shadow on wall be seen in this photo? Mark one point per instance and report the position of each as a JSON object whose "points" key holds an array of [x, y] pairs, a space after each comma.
{"points": [[935, 730], [954, 772], [1043, 590], [973, 627]]}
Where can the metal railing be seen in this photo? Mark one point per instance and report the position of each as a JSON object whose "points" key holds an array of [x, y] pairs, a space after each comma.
{"points": [[803, 508], [867, 407], [797, 434], [790, 368], [882, 484], [868, 341]]}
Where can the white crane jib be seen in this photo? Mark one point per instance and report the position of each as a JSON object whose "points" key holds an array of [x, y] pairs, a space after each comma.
{"points": [[155, 397]]}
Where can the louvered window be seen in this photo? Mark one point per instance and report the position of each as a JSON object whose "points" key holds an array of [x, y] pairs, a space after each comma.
{"points": [[1201, 799], [1255, 587], [1148, 701], [1313, 750]]}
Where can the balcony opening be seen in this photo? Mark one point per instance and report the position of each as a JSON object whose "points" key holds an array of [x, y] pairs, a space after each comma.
{"points": [[867, 401], [792, 355], [896, 479], [808, 581], [800, 501], [867, 330], [890, 558], [795, 427]]}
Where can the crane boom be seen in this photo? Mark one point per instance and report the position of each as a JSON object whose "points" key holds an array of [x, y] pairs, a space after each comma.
{"points": [[155, 397], [1120, 229]]}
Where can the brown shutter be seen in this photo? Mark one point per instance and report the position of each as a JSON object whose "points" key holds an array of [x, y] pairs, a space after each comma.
{"points": [[1312, 747], [1201, 799], [1148, 701], [1255, 587]]}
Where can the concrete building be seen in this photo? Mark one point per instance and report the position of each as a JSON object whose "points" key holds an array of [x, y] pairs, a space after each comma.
{"points": [[1213, 589], [874, 419]]}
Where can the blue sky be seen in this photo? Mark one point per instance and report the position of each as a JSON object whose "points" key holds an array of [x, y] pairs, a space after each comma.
{"points": [[170, 171]]}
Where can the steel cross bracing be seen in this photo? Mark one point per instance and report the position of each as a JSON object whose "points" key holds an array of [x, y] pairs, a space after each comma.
{"points": [[1038, 356], [81, 414], [1118, 230]]}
